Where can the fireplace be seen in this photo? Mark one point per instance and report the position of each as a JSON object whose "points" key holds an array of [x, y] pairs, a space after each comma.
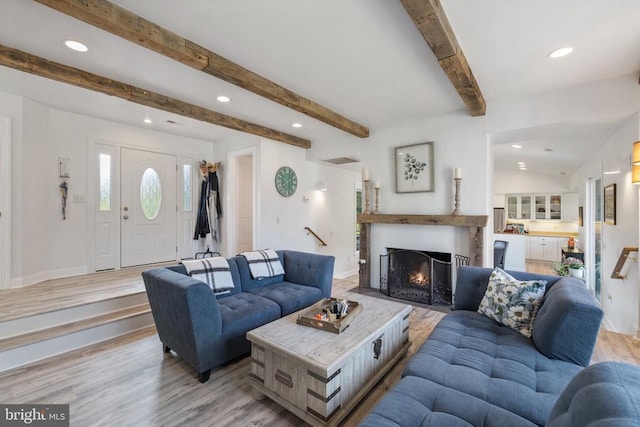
{"points": [[418, 276]]}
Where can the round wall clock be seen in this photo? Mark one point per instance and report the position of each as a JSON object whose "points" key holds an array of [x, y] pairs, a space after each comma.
{"points": [[286, 181]]}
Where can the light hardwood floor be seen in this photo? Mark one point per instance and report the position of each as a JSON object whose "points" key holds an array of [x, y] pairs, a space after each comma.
{"points": [[131, 382]]}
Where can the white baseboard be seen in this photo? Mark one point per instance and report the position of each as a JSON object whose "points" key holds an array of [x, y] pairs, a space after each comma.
{"points": [[19, 282], [345, 274], [607, 325]]}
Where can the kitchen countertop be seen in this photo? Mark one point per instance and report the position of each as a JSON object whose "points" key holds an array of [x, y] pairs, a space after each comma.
{"points": [[544, 234]]}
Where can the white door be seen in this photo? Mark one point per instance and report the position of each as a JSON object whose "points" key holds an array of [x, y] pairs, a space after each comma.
{"points": [[5, 203], [245, 204], [148, 207]]}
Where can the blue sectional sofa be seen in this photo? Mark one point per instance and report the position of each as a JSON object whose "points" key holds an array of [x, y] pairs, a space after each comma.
{"points": [[473, 371], [208, 330]]}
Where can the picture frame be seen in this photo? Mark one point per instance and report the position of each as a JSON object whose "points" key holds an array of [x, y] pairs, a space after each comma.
{"points": [[610, 204], [580, 216], [414, 168]]}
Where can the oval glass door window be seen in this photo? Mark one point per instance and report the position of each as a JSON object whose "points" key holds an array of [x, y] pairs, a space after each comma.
{"points": [[150, 193]]}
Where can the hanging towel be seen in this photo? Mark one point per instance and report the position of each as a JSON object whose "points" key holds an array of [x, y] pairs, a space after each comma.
{"points": [[213, 271], [263, 263]]}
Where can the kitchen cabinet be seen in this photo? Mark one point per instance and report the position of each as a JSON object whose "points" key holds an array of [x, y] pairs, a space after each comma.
{"points": [[548, 207], [570, 207], [544, 248], [519, 206]]}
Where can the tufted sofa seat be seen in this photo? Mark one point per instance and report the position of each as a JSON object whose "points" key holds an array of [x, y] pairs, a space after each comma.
{"points": [[473, 371], [208, 330]]}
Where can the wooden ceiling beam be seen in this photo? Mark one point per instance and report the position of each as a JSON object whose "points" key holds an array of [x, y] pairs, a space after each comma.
{"points": [[432, 22], [42, 67], [123, 23]]}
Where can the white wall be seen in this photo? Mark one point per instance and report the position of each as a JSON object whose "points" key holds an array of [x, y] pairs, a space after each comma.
{"points": [[11, 106], [609, 99], [620, 298], [281, 220], [43, 246], [509, 181], [459, 141]]}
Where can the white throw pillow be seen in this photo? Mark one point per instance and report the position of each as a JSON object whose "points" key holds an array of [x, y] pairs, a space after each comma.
{"points": [[512, 302]]}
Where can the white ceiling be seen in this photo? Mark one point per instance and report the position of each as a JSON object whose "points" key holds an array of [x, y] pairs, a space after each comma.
{"points": [[362, 58]]}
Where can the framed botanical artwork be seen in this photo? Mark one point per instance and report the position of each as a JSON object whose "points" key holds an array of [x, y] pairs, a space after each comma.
{"points": [[414, 168], [610, 204]]}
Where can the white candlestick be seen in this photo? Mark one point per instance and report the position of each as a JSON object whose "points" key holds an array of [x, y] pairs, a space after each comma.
{"points": [[377, 185], [365, 174], [458, 173]]}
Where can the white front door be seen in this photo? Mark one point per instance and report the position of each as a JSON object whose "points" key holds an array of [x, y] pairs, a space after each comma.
{"points": [[5, 203], [148, 207]]}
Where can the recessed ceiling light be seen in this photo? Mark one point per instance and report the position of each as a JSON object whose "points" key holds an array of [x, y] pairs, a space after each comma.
{"points": [[223, 98], [559, 53], [523, 168], [516, 146], [521, 163], [75, 45], [297, 125], [148, 121]]}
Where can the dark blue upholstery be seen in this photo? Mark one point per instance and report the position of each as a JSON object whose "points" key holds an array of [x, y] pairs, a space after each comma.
{"points": [[604, 394], [471, 284], [567, 323], [472, 354], [289, 296], [416, 401], [208, 330], [473, 371]]}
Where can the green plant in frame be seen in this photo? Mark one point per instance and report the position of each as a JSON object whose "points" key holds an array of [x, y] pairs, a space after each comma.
{"points": [[413, 167]]}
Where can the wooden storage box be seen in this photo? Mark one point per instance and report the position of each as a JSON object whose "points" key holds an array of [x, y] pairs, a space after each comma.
{"points": [[307, 317]]}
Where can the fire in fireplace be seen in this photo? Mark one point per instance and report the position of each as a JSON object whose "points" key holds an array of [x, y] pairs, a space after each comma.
{"points": [[419, 276]]}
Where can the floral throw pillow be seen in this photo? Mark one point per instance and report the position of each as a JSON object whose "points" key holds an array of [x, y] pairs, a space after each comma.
{"points": [[512, 302]]}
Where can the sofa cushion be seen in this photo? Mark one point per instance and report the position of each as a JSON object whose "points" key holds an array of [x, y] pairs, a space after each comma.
{"points": [[566, 326], [512, 302], [604, 394], [475, 355], [242, 312], [415, 401], [290, 297]]}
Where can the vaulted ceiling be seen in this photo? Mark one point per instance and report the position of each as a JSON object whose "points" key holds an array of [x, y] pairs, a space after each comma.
{"points": [[366, 61]]}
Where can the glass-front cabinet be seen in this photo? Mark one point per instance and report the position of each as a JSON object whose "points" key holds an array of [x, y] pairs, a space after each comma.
{"points": [[525, 207], [536, 207], [541, 207], [519, 206]]}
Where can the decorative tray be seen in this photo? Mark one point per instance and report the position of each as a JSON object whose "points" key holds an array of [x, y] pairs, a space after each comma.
{"points": [[323, 315]]}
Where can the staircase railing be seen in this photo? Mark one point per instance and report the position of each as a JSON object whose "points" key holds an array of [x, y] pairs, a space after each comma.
{"points": [[320, 241], [624, 256]]}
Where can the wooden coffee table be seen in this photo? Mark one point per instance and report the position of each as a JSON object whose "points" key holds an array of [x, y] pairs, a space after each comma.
{"points": [[320, 376]]}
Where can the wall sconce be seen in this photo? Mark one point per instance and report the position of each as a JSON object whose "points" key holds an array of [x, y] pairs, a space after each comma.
{"points": [[321, 185], [635, 163]]}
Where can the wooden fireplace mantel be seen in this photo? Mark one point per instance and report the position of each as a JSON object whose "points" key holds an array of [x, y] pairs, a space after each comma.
{"points": [[475, 224]]}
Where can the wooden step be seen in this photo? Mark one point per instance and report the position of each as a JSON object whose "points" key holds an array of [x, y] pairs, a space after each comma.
{"points": [[71, 327]]}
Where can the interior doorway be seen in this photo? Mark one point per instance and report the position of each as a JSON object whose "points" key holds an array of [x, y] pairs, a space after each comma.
{"points": [[148, 207], [242, 196], [5, 203], [593, 230]]}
